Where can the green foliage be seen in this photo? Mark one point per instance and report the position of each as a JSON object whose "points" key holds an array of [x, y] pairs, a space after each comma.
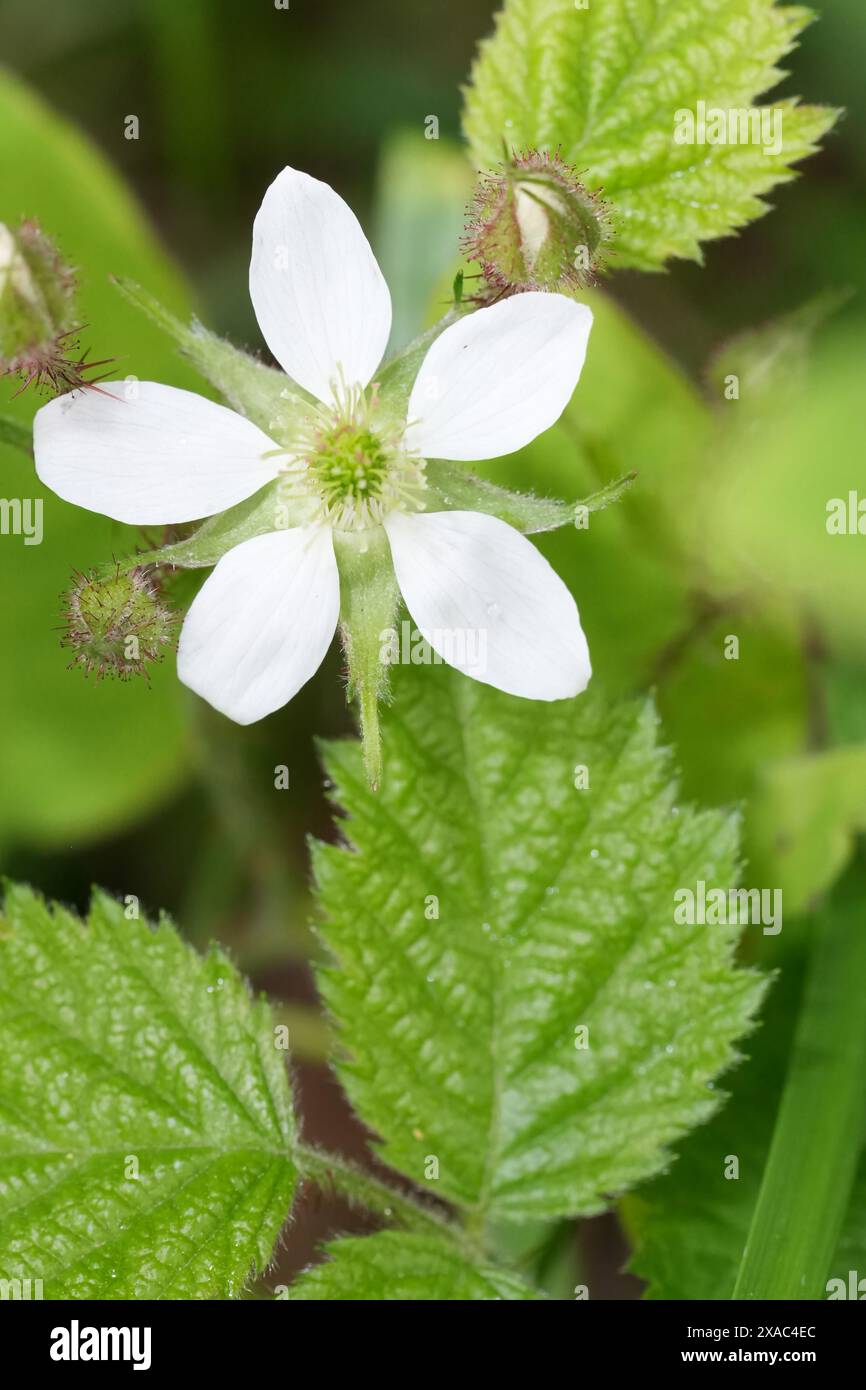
{"points": [[788, 498], [422, 188], [811, 1165], [690, 1227], [145, 1143], [807, 812], [771, 362], [487, 909], [395, 1266], [16, 433], [603, 84], [84, 755]]}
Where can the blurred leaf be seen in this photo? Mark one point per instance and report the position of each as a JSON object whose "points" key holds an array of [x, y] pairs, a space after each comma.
{"points": [[16, 433], [774, 490], [755, 703], [409, 1268], [804, 818], [812, 1161], [146, 1115], [423, 186], [197, 135], [603, 83], [553, 911], [85, 756], [689, 1227], [852, 1242], [773, 359]]}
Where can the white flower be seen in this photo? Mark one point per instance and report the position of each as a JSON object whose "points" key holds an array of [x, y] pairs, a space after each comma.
{"points": [[262, 623]]}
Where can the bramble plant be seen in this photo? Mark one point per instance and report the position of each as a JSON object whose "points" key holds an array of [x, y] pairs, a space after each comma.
{"points": [[519, 1019]]}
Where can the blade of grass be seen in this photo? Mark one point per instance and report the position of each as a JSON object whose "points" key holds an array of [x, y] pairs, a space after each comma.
{"points": [[819, 1128]]}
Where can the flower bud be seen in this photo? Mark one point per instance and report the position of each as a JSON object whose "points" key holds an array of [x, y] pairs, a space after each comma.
{"points": [[37, 312], [117, 624], [533, 226]]}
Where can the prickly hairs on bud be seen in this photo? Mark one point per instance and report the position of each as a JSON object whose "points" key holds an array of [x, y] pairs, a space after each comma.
{"points": [[533, 226], [37, 313], [116, 625]]}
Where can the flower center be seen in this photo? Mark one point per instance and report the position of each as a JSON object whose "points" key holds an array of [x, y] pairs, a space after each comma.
{"points": [[353, 460], [350, 464]]}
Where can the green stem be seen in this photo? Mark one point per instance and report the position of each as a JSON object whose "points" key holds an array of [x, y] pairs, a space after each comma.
{"points": [[369, 599], [819, 1128], [328, 1169]]}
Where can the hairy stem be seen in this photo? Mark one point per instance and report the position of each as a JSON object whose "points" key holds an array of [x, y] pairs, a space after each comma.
{"points": [[333, 1170]]}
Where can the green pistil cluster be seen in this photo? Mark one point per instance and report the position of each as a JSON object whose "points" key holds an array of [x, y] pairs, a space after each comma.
{"points": [[353, 461], [350, 466]]}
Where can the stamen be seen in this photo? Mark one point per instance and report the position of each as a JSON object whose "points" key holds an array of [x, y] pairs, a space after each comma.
{"points": [[352, 461]]}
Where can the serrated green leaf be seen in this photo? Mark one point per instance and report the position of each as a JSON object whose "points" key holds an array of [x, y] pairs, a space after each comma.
{"points": [[395, 1266], [553, 909], [145, 1113], [604, 83]]}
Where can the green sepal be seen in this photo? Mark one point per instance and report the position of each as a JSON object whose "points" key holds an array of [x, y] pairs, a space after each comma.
{"points": [[263, 394], [452, 488], [397, 377], [267, 510], [368, 607]]}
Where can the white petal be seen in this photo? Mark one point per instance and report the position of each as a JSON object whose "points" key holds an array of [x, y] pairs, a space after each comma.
{"points": [[497, 378], [319, 295], [260, 626], [489, 603], [149, 454]]}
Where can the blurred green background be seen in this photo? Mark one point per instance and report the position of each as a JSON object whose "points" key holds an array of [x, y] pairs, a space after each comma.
{"points": [[144, 790]]}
